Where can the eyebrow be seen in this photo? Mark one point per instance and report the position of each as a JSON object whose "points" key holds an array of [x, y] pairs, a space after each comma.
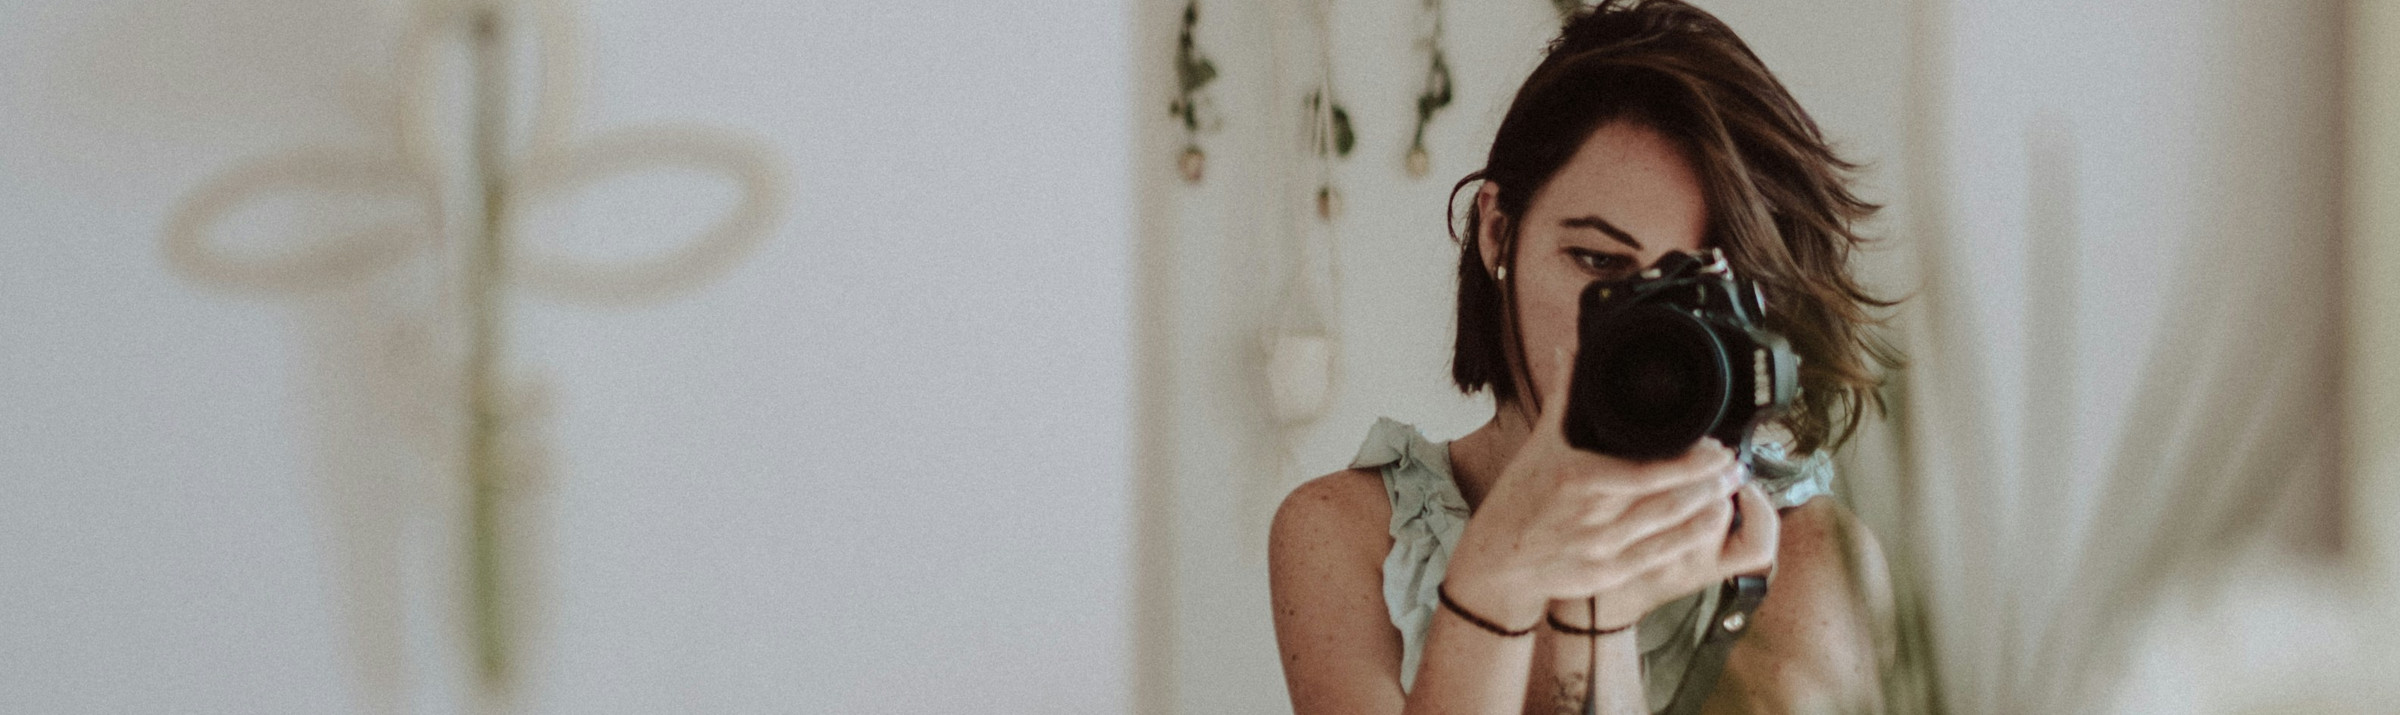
{"points": [[1602, 225]]}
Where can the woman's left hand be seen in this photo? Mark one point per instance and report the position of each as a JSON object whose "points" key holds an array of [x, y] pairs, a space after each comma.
{"points": [[1700, 552]]}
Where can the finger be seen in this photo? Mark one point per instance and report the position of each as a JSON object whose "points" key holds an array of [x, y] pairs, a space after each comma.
{"points": [[1663, 510], [1691, 572], [1553, 419], [1704, 531], [1681, 569], [1707, 454], [1705, 461], [1752, 548]]}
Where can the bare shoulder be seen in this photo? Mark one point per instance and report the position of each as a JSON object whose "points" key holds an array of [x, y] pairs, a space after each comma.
{"points": [[1342, 507], [1842, 568], [1823, 541], [1336, 525], [1821, 641], [1325, 551]]}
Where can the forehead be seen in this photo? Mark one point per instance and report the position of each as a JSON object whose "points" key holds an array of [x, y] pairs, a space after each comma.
{"points": [[1634, 177]]}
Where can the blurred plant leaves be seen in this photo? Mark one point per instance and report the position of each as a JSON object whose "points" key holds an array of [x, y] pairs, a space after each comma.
{"points": [[1344, 139]]}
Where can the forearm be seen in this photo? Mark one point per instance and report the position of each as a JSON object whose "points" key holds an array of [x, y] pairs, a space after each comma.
{"points": [[1469, 670], [1569, 667]]}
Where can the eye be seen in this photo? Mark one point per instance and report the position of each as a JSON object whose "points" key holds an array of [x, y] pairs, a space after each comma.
{"points": [[1601, 263]]}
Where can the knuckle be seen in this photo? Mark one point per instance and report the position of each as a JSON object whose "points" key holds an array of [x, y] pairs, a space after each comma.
{"points": [[1696, 560], [1769, 526], [1599, 518], [1674, 558], [1648, 474], [1756, 554], [1698, 494], [1717, 515], [1755, 561], [1558, 474]]}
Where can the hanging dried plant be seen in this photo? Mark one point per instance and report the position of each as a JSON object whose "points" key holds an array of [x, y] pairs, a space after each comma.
{"points": [[1335, 128], [1193, 72], [1331, 139], [1436, 93]]}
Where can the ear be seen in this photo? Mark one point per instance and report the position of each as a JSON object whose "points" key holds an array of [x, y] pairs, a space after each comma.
{"points": [[1489, 222]]}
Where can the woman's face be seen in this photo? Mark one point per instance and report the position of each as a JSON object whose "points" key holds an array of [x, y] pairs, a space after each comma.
{"points": [[1627, 197]]}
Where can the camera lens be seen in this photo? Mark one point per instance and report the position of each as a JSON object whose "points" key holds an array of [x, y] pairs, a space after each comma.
{"points": [[1649, 379], [1649, 382]]}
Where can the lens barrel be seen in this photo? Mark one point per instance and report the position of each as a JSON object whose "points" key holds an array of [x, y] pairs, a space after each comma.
{"points": [[1654, 381], [1667, 360]]}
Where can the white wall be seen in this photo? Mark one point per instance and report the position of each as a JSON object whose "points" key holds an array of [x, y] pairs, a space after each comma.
{"points": [[880, 466]]}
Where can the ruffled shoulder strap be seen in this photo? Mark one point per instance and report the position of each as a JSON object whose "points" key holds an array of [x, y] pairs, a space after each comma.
{"points": [[1428, 514], [1416, 472], [1790, 481]]}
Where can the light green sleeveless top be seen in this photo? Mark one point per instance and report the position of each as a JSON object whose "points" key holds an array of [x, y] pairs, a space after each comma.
{"points": [[1428, 513]]}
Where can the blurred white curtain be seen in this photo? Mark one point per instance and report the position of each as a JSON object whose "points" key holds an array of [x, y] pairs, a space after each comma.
{"points": [[2126, 222], [2371, 320]]}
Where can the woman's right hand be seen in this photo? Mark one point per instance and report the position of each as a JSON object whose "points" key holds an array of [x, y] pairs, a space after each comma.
{"points": [[1566, 524]]}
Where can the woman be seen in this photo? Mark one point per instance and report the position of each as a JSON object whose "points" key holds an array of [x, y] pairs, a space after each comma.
{"points": [[1492, 574]]}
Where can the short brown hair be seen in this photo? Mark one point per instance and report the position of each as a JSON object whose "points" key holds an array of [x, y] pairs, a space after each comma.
{"points": [[1779, 200]]}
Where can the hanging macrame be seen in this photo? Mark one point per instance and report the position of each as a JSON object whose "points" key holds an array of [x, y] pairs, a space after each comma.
{"points": [[460, 399], [1302, 353]]}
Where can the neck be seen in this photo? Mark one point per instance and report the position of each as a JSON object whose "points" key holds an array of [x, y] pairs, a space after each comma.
{"points": [[1477, 459]]}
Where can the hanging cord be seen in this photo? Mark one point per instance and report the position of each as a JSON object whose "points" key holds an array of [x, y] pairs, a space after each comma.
{"points": [[1592, 667], [1591, 673]]}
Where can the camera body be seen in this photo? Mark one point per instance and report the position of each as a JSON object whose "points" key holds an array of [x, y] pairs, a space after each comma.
{"points": [[1674, 354]]}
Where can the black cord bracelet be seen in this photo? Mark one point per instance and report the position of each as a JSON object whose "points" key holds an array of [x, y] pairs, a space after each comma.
{"points": [[1442, 591], [1562, 627]]}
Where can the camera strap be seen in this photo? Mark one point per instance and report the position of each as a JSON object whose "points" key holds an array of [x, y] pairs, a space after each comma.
{"points": [[1738, 599]]}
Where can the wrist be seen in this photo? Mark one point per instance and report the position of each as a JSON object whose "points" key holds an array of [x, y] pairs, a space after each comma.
{"points": [[1492, 598], [1576, 616]]}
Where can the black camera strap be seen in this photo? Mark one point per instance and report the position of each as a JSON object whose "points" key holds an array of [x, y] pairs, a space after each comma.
{"points": [[1737, 601]]}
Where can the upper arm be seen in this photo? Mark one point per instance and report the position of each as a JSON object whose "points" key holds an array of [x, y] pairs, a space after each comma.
{"points": [[1818, 641], [1325, 553]]}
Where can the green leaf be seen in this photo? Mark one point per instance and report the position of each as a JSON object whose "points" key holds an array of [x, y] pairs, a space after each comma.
{"points": [[1193, 72], [1192, 69], [1343, 139]]}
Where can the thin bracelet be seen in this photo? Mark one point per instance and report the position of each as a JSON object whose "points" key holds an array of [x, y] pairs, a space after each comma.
{"points": [[1562, 627], [1442, 590]]}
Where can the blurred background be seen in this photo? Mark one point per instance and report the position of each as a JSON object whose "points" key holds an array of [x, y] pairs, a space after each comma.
{"points": [[433, 356], [813, 367]]}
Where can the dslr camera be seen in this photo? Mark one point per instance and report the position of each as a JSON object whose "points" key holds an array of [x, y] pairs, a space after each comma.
{"points": [[1674, 354]]}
